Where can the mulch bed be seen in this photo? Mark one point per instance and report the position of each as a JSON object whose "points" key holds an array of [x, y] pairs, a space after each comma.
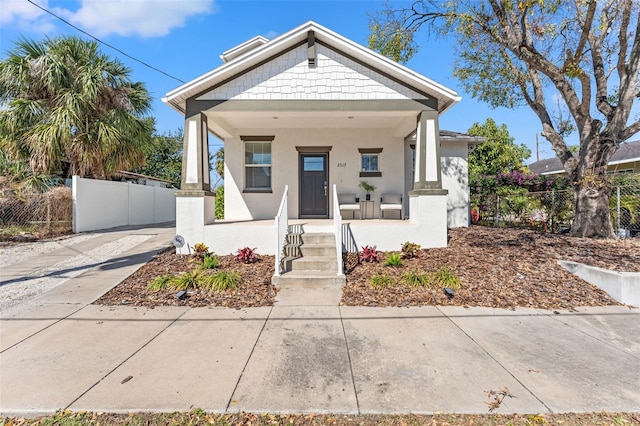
{"points": [[500, 268], [255, 288]]}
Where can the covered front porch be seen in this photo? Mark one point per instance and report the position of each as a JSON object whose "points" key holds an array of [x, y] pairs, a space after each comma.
{"points": [[385, 234]]}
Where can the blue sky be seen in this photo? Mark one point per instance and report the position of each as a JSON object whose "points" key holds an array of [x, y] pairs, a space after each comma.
{"points": [[184, 38]]}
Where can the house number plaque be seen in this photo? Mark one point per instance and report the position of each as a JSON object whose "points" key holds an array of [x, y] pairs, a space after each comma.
{"points": [[342, 164]]}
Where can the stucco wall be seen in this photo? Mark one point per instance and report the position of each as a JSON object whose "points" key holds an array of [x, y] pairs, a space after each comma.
{"points": [[99, 204], [455, 178], [344, 167]]}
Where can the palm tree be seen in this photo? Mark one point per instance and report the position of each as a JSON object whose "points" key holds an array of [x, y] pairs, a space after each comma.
{"points": [[69, 109], [219, 156]]}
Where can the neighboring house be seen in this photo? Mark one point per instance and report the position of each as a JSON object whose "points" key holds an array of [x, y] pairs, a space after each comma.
{"points": [[625, 160], [312, 111], [141, 179]]}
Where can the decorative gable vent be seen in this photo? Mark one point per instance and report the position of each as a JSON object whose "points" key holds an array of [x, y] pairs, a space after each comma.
{"points": [[311, 49]]}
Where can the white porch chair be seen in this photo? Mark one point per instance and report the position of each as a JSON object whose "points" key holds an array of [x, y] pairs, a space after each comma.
{"points": [[391, 202], [347, 202]]}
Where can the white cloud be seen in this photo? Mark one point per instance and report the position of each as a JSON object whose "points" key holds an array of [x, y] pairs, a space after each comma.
{"points": [[25, 16], [145, 18]]}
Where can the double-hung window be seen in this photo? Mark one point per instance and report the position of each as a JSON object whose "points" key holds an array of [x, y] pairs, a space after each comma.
{"points": [[257, 163]]}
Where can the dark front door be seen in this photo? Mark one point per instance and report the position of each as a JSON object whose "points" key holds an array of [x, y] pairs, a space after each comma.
{"points": [[314, 186]]}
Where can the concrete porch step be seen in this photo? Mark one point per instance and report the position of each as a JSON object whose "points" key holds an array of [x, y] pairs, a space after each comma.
{"points": [[307, 279], [315, 263], [316, 250], [314, 238]]}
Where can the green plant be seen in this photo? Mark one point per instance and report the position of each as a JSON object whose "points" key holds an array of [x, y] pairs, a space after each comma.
{"points": [[160, 283], [629, 209], [409, 250], [393, 259], [369, 254], [247, 255], [381, 281], [210, 262], [223, 280], [445, 278], [192, 279], [416, 279], [200, 250], [366, 186]]}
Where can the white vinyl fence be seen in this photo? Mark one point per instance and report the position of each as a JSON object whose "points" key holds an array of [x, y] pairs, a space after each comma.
{"points": [[100, 204]]}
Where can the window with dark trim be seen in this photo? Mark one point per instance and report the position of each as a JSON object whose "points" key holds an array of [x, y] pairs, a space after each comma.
{"points": [[257, 163], [370, 162]]}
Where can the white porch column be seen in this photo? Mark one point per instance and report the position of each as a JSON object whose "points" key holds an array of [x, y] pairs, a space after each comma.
{"points": [[427, 200], [427, 168], [195, 203]]}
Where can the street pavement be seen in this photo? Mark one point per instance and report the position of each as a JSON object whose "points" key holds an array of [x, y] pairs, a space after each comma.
{"points": [[306, 354]]}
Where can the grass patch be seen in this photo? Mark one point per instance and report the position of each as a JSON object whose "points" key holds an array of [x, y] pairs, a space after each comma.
{"points": [[223, 280], [160, 283], [201, 417], [416, 279], [191, 279], [444, 277], [12, 230], [381, 281]]}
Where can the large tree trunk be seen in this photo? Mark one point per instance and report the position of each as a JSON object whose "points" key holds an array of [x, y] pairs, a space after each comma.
{"points": [[591, 214]]}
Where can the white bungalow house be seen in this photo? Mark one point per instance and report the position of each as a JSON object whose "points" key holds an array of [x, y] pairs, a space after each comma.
{"points": [[305, 118]]}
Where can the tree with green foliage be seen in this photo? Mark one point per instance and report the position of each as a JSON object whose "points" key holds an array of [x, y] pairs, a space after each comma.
{"points": [[219, 162], [497, 154], [164, 156], [69, 110], [534, 52]]}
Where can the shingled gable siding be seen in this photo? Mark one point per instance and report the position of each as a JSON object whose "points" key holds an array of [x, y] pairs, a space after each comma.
{"points": [[335, 77]]}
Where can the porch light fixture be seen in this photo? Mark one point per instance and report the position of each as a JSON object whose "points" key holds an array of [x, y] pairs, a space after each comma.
{"points": [[449, 292]]}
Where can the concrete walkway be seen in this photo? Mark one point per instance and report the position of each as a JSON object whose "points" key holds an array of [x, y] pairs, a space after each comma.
{"points": [[306, 354]]}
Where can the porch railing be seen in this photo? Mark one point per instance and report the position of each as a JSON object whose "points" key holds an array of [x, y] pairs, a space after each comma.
{"points": [[337, 229], [282, 227]]}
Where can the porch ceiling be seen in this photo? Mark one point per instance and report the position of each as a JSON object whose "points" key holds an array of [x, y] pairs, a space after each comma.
{"points": [[223, 123]]}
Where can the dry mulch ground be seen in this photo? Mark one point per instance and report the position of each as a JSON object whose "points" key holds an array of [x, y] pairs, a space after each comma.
{"points": [[502, 268]]}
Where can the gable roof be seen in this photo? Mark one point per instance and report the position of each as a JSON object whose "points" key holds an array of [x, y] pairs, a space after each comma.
{"points": [[627, 152], [258, 50]]}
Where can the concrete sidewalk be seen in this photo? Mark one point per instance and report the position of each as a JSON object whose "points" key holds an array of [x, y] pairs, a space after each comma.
{"points": [[62, 352]]}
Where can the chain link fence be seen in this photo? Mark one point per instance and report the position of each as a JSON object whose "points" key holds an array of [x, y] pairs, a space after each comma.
{"points": [[35, 216], [552, 211]]}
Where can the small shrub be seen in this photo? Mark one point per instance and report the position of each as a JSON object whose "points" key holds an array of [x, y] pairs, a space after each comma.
{"points": [[160, 283], [223, 280], [446, 278], [200, 250], [192, 279], [247, 255], [416, 279], [369, 254], [393, 259], [381, 281], [410, 250], [210, 262]]}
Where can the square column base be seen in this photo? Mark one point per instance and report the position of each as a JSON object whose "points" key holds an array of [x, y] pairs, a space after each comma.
{"points": [[428, 209], [194, 210]]}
